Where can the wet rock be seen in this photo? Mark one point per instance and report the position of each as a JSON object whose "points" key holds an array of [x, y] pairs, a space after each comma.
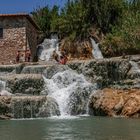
{"points": [[50, 108], [34, 69], [104, 71], [11, 69], [24, 83], [4, 106], [27, 107], [111, 102], [52, 70], [78, 100], [3, 117]]}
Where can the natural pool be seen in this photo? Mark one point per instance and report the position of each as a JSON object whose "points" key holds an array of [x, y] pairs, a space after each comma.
{"points": [[71, 128]]}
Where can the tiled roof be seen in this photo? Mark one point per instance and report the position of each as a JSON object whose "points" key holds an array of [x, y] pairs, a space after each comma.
{"points": [[22, 15]]}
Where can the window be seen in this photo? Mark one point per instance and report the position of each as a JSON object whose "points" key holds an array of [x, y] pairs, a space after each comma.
{"points": [[1, 32]]}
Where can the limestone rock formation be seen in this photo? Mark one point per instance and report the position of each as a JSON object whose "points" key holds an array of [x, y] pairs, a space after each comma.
{"points": [[10, 69], [104, 71], [34, 69], [24, 83], [52, 70], [27, 107], [78, 100], [112, 102], [120, 77]]}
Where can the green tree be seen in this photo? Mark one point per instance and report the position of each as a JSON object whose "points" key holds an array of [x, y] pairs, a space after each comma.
{"points": [[46, 18]]}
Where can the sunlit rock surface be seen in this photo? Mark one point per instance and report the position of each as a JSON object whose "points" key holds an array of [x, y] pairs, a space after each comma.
{"points": [[112, 102]]}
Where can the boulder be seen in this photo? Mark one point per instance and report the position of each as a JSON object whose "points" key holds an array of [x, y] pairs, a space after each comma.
{"points": [[50, 108], [112, 102], [78, 100]]}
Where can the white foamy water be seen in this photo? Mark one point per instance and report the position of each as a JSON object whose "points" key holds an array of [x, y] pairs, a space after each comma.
{"points": [[97, 54], [65, 84], [135, 66], [65, 117], [46, 49], [2, 85], [3, 91]]}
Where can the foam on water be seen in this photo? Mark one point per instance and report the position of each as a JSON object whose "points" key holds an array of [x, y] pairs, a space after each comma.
{"points": [[135, 66], [65, 117], [3, 91], [62, 85], [2, 85]]}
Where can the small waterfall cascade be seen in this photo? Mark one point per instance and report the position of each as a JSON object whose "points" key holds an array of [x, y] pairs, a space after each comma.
{"points": [[135, 66], [45, 50], [2, 85], [3, 91], [70, 90], [97, 54], [33, 107]]}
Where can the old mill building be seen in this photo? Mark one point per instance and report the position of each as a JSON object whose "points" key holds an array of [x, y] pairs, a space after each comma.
{"points": [[18, 32]]}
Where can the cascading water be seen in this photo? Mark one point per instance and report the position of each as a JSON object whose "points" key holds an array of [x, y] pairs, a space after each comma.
{"points": [[70, 90], [45, 50], [135, 66], [2, 85], [3, 91], [97, 54]]}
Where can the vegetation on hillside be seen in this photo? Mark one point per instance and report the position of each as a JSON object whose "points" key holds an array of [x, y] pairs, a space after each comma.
{"points": [[114, 23]]}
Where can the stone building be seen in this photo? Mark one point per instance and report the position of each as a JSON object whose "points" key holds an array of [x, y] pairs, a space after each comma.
{"points": [[18, 32]]}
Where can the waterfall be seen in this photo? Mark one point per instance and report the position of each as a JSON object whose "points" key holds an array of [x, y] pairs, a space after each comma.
{"points": [[31, 106], [45, 50], [2, 85], [97, 54], [3, 91], [135, 66], [70, 90]]}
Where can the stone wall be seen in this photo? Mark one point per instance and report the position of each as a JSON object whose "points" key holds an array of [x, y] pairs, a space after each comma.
{"points": [[32, 35], [18, 34], [14, 38]]}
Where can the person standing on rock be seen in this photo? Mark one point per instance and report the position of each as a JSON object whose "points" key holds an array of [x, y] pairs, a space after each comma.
{"points": [[27, 56], [17, 56]]}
